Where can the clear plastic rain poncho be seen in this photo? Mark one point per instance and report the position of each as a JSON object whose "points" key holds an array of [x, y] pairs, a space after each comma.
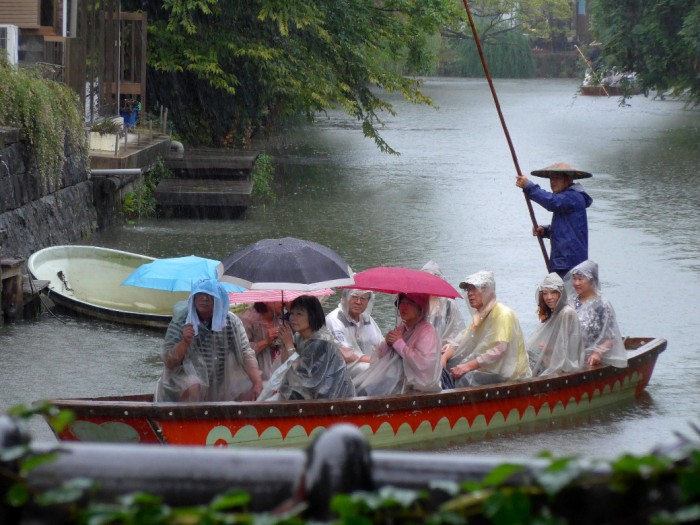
{"points": [[556, 345], [443, 312], [494, 323], [599, 328], [217, 358], [356, 338], [319, 371], [411, 365], [256, 327]]}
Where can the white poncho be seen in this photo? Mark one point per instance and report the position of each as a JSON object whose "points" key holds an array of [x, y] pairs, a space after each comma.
{"points": [[357, 338], [216, 359], [599, 327], [443, 312], [556, 345]]}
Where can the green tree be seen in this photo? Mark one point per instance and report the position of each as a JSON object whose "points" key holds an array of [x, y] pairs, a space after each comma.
{"points": [[538, 19], [229, 70], [658, 39], [508, 56], [507, 30]]}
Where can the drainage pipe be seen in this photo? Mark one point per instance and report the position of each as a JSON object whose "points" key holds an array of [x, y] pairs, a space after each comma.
{"points": [[116, 171]]}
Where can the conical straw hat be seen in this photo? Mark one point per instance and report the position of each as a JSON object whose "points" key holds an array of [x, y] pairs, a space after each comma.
{"points": [[561, 167]]}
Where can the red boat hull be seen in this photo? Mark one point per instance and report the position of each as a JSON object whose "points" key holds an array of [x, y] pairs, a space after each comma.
{"points": [[452, 415]]}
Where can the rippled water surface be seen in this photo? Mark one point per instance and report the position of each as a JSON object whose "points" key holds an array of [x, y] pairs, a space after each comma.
{"points": [[450, 196]]}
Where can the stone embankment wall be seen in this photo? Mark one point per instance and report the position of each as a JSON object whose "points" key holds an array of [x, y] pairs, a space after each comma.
{"points": [[36, 213]]}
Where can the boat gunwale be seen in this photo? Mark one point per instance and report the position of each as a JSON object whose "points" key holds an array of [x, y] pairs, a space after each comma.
{"points": [[139, 405]]}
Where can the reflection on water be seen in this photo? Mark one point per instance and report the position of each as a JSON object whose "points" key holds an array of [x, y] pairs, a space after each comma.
{"points": [[450, 197]]}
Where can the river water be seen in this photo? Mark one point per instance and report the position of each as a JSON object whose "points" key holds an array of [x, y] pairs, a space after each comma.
{"points": [[450, 197]]}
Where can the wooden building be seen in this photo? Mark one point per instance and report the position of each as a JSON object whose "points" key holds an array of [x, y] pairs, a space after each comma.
{"points": [[582, 21], [91, 45]]}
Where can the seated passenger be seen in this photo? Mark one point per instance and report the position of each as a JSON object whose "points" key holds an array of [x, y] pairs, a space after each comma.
{"points": [[354, 329], [261, 322], [408, 360], [491, 349], [445, 316], [319, 371], [206, 352], [443, 312], [556, 345], [602, 341]]}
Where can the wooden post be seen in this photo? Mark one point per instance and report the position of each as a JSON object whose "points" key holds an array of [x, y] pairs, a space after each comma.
{"points": [[11, 275]]}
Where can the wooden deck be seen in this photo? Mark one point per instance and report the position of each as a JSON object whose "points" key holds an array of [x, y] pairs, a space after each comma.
{"points": [[211, 164], [204, 192], [207, 183]]}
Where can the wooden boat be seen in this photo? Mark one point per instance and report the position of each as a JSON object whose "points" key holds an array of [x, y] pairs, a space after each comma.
{"points": [[404, 420], [602, 91], [87, 280]]}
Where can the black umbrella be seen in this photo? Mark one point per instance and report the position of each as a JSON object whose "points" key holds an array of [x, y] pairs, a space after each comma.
{"points": [[285, 264]]}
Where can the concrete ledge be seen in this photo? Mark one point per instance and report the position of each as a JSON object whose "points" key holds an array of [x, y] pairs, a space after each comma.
{"points": [[137, 154]]}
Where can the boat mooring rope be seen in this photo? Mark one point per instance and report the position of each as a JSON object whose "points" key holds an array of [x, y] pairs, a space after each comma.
{"points": [[505, 128]]}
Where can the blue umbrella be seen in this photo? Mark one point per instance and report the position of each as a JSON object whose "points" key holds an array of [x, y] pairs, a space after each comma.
{"points": [[176, 274]]}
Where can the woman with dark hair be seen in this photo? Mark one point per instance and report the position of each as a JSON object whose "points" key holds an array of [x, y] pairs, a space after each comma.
{"points": [[556, 345], [319, 371]]}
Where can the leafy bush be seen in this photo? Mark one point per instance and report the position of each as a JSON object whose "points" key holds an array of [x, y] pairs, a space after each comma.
{"points": [[141, 203], [263, 175], [47, 113], [106, 126]]}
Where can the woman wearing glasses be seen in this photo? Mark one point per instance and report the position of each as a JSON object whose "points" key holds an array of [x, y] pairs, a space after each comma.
{"points": [[354, 329]]}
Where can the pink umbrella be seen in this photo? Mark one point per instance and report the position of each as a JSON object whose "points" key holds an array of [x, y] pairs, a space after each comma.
{"points": [[403, 280], [270, 296]]}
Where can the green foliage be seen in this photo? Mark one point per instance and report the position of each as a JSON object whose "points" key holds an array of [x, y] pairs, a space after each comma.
{"points": [[141, 203], [230, 71], [106, 126], [47, 113], [658, 39], [243, 67], [545, 19], [507, 55], [19, 493], [538, 20], [263, 175]]}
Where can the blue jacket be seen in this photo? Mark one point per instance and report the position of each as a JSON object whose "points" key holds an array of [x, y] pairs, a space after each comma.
{"points": [[568, 233]]}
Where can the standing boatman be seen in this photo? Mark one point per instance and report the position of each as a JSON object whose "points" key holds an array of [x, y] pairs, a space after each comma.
{"points": [[568, 232]]}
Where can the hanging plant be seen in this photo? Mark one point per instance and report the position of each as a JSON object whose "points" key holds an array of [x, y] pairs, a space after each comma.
{"points": [[48, 114]]}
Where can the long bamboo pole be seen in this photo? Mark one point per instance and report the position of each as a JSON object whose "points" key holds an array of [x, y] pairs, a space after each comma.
{"points": [[590, 65], [505, 129]]}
